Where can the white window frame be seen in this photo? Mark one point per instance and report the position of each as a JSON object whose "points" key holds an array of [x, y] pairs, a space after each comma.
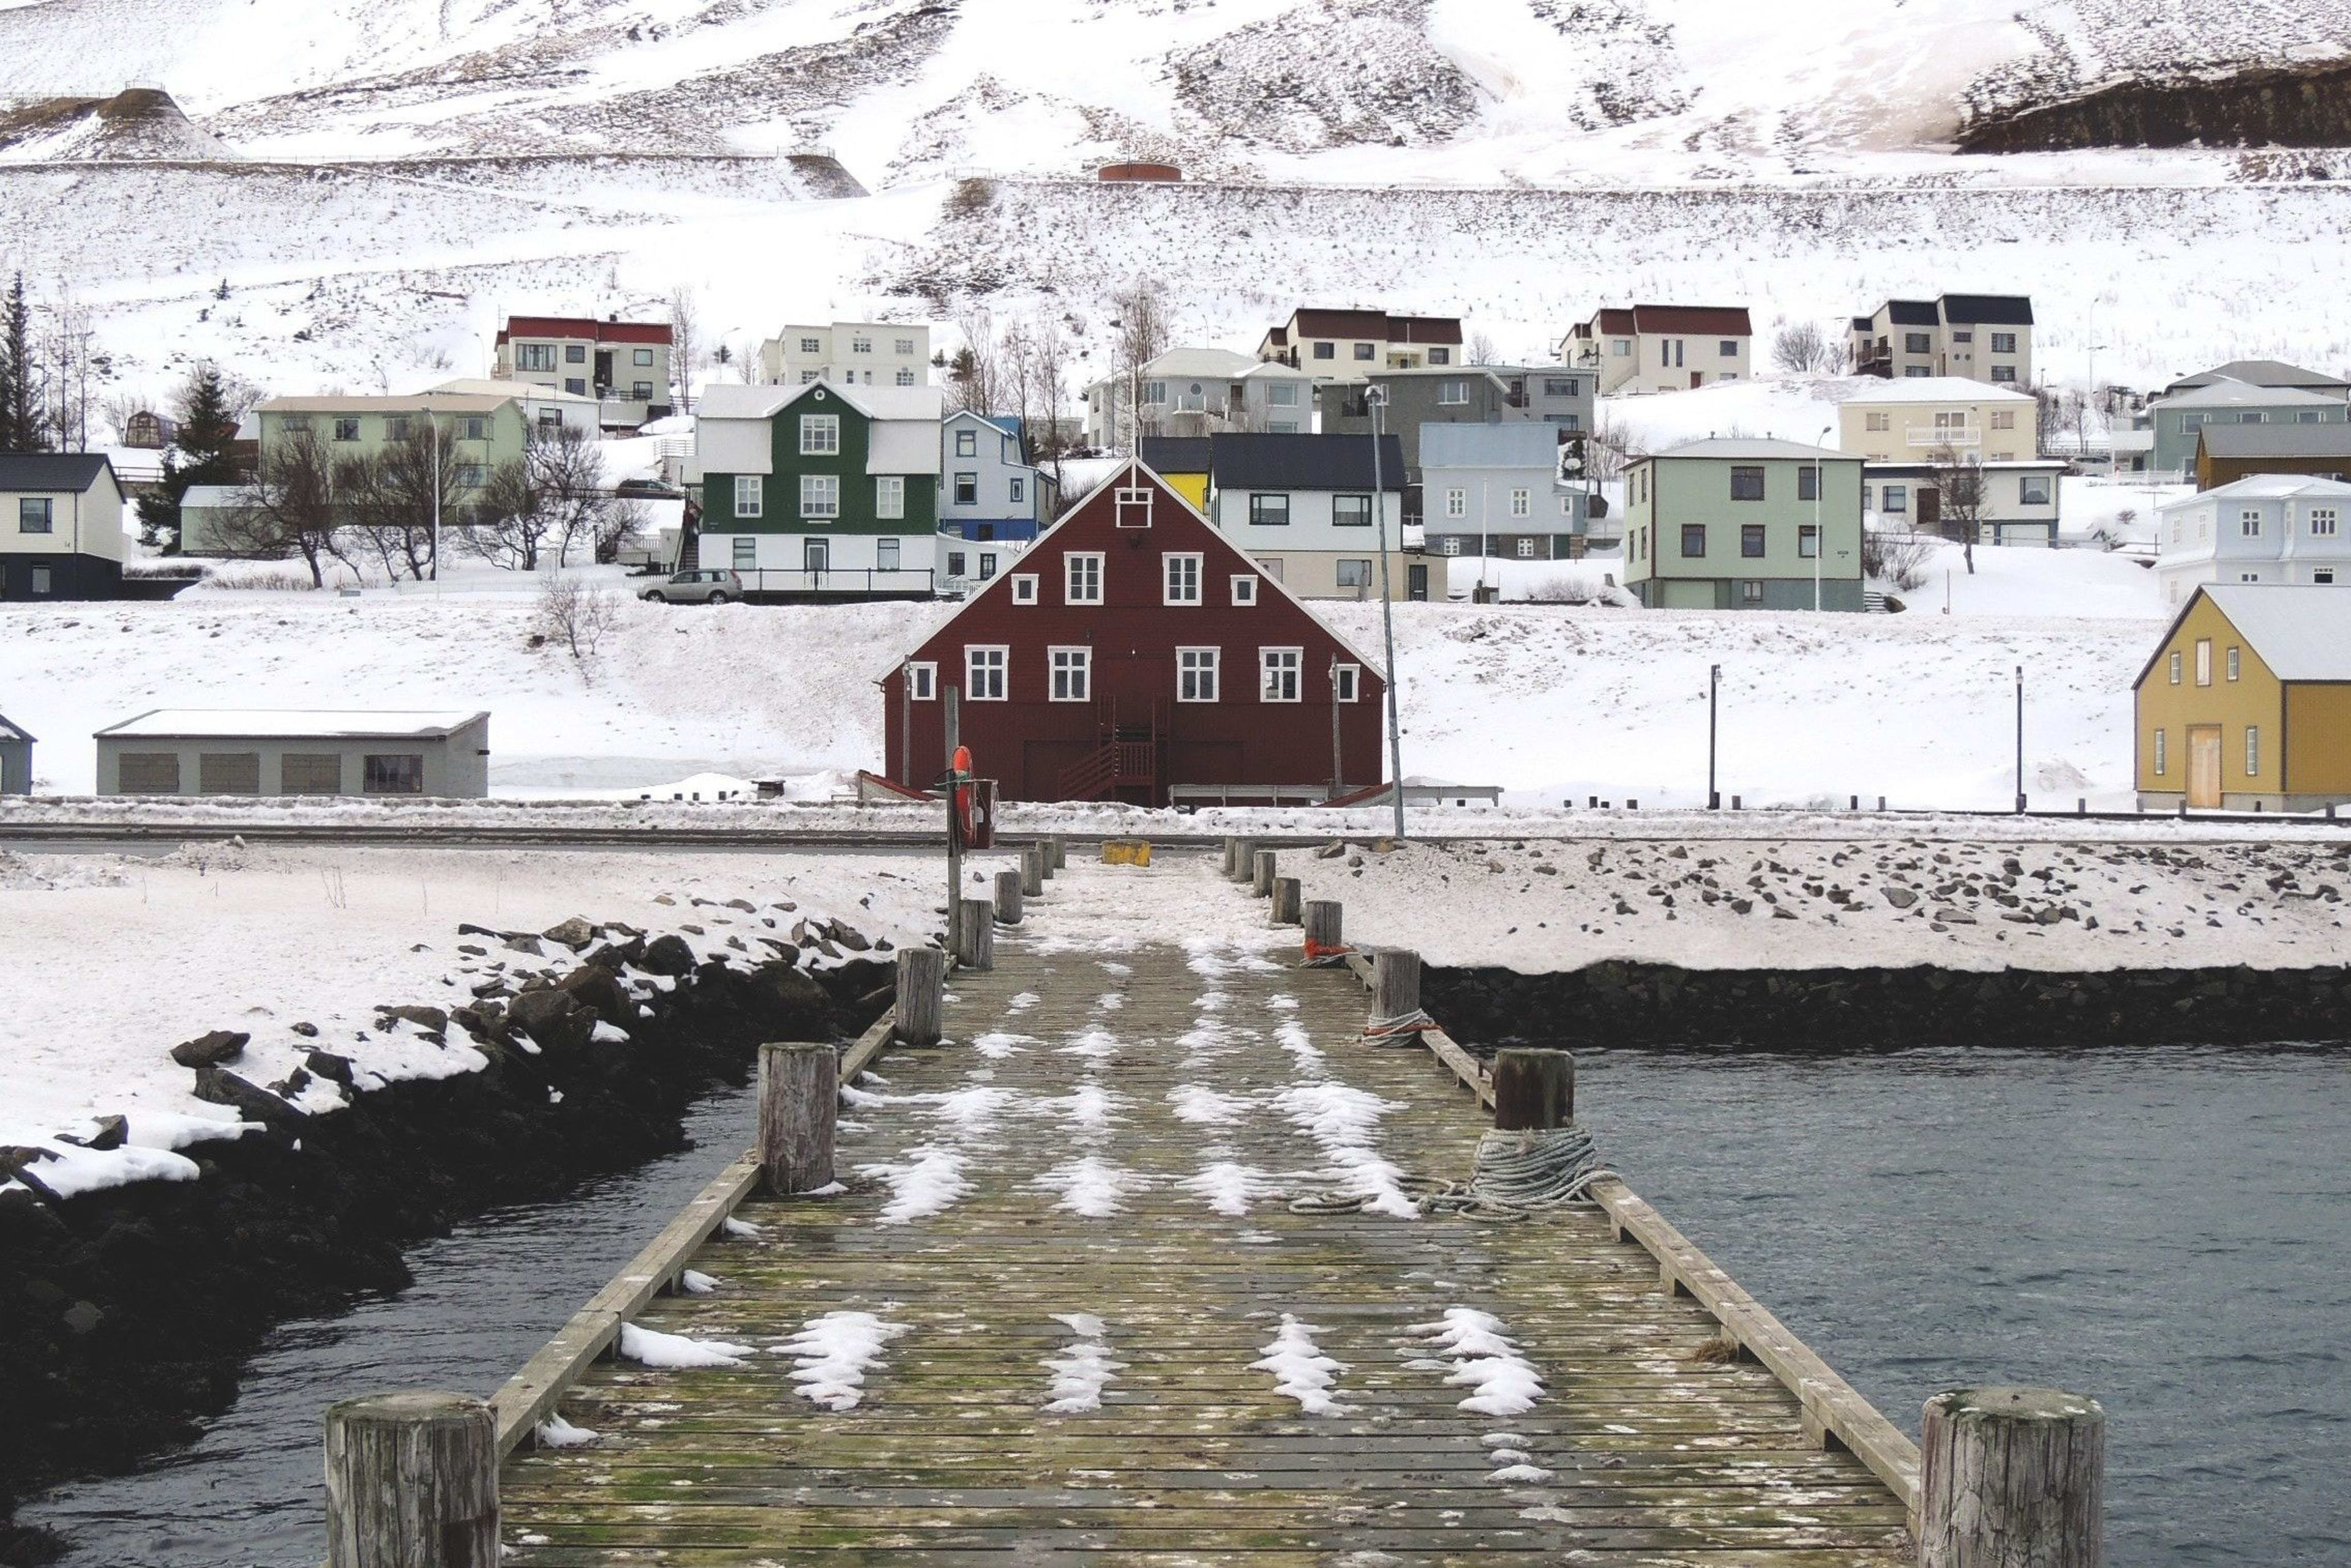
{"points": [[819, 497], [743, 551], [2248, 522], [2323, 522], [1133, 507], [1522, 503], [1070, 575], [819, 435], [1525, 549], [890, 496], [1339, 571], [2162, 756], [966, 443], [922, 681], [1346, 682], [1179, 571], [1280, 671], [1456, 503], [1244, 588], [1070, 674], [1024, 588], [2252, 751], [1199, 671], [987, 678], [750, 494]]}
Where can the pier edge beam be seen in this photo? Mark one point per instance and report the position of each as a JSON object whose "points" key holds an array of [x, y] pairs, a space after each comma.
{"points": [[1534, 1090], [799, 1104], [412, 1478], [2011, 1477], [922, 995]]}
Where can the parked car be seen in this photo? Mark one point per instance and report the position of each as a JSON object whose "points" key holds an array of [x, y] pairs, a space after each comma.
{"points": [[695, 588]]}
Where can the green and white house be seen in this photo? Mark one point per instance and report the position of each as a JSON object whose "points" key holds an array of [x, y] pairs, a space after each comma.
{"points": [[1741, 524], [822, 491]]}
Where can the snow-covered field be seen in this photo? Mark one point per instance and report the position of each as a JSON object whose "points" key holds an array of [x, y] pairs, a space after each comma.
{"points": [[1550, 702]]}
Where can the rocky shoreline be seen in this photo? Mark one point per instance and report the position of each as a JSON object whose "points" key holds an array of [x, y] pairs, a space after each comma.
{"points": [[130, 1310], [1661, 1005]]}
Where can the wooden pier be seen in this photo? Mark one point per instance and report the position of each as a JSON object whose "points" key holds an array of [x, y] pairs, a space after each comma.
{"points": [[1110, 1144]]}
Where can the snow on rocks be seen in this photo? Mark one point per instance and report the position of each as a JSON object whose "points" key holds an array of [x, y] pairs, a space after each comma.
{"points": [[1084, 1367], [833, 1353], [676, 1351], [1482, 1358], [1301, 1371]]}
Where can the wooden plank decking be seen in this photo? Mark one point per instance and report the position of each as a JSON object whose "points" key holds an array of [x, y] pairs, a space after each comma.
{"points": [[1091, 1108]]}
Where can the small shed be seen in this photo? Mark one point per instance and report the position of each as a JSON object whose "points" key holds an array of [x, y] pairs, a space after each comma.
{"points": [[296, 751], [1134, 172], [149, 431], [2246, 702], [16, 759]]}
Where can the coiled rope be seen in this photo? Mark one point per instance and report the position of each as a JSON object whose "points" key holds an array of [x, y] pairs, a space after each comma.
{"points": [[1403, 1026], [1518, 1176]]}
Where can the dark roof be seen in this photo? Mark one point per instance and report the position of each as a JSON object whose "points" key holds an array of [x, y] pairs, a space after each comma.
{"points": [[1726, 320], [13, 732], [1988, 309], [1864, 323], [52, 470], [1175, 453], [1377, 325], [2273, 440], [2261, 373], [584, 327], [1912, 313], [1246, 462]]}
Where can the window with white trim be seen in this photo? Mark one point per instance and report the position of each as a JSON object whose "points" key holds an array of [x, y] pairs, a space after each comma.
{"points": [[2252, 750], [1450, 546], [820, 494], [1346, 682], [745, 553], [1024, 588], [1181, 581], [890, 496], [1278, 673], [1196, 675], [1134, 507], [1072, 672], [2176, 662], [984, 674], [1522, 503], [2248, 522], [2203, 661], [1525, 549], [923, 682], [1081, 577], [2321, 522], [1244, 588], [747, 495], [2236, 664], [1456, 503], [819, 434], [2161, 758]]}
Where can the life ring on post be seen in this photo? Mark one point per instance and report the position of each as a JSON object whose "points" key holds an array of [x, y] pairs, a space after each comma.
{"points": [[960, 773]]}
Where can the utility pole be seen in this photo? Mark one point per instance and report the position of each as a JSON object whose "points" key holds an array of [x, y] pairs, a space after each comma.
{"points": [[1713, 702], [1485, 546], [433, 440], [1376, 398], [1819, 538], [952, 716], [1338, 757], [2019, 740]]}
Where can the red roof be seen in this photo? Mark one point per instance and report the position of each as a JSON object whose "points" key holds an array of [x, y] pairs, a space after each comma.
{"points": [[585, 327], [1375, 325], [1728, 321]]}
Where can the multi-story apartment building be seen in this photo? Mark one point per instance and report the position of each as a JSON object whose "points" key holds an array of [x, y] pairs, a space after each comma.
{"points": [[848, 354], [1661, 347], [2273, 528], [1977, 337], [1348, 345], [822, 491], [1197, 392], [1737, 524], [625, 366], [1911, 420], [1554, 396]]}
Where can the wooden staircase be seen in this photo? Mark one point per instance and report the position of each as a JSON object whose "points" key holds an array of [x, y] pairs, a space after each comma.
{"points": [[1129, 757]]}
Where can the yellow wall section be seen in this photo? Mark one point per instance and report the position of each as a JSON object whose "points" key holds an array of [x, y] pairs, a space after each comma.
{"points": [[2318, 727], [2255, 697], [1193, 487]]}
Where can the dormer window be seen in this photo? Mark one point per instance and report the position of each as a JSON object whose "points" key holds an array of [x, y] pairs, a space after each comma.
{"points": [[1135, 507]]}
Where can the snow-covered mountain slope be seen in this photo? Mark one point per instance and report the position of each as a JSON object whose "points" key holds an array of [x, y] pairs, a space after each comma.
{"points": [[1428, 90]]}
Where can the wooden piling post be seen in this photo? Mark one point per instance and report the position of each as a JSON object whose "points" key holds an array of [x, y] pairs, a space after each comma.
{"points": [[1286, 898], [1323, 926], [1008, 897], [800, 1100], [1261, 865], [1395, 983], [1032, 873], [1060, 854], [2011, 1477], [922, 995], [976, 933], [1533, 1089], [412, 1479], [1232, 856], [1244, 852]]}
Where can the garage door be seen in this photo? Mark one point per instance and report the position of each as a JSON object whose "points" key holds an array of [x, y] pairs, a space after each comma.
{"points": [[1685, 595]]}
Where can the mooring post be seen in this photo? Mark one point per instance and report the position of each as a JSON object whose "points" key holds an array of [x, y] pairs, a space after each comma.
{"points": [[1261, 865], [1232, 857], [1008, 897], [2011, 1477], [1244, 855], [976, 933], [800, 1099], [1286, 898], [922, 995], [1323, 926], [1534, 1091], [1395, 984], [1032, 869], [411, 1478], [1061, 848]]}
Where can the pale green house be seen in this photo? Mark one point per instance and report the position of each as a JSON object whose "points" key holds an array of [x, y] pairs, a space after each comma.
{"points": [[1740, 524]]}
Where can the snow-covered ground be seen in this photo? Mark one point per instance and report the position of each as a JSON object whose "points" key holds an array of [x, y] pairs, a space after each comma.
{"points": [[259, 940]]}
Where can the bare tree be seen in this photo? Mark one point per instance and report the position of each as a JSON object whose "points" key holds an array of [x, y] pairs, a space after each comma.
{"points": [[65, 337], [1960, 482], [1611, 449], [1143, 337], [976, 371], [553, 500], [509, 523], [289, 508], [1899, 558], [568, 471], [1048, 353], [685, 344], [1802, 349], [1481, 349], [576, 617], [406, 491]]}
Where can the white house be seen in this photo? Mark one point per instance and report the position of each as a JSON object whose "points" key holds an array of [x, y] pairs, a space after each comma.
{"points": [[2272, 528], [60, 526], [1301, 506], [849, 353], [1200, 392]]}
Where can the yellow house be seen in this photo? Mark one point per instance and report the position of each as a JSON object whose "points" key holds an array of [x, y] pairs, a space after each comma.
{"points": [[1183, 461], [2246, 705]]}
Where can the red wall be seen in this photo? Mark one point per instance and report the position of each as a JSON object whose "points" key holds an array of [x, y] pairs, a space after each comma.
{"points": [[1028, 741]]}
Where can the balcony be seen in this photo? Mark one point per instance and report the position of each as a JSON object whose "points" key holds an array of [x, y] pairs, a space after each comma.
{"points": [[1937, 439], [837, 583]]}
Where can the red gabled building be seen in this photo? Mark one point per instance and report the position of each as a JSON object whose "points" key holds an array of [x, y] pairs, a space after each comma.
{"points": [[1130, 650]]}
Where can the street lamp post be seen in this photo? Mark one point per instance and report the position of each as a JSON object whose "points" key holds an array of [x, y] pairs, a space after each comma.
{"points": [[1819, 538], [2019, 740], [1376, 399], [1713, 702]]}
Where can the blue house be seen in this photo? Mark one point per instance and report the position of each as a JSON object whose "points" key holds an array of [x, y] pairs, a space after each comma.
{"points": [[986, 491]]}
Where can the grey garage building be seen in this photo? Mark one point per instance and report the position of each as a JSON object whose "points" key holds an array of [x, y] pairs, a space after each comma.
{"points": [[16, 759], [296, 751]]}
